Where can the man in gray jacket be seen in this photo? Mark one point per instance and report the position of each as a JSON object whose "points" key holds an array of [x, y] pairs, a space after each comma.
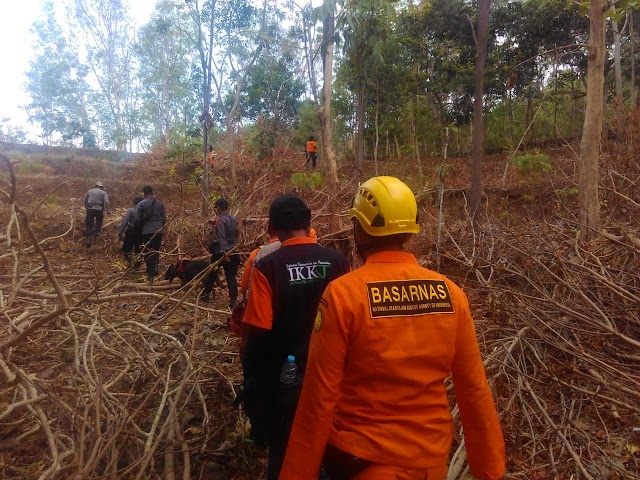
{"points": [[131, 236], [151, 217], [96, 201], [227, 233]]}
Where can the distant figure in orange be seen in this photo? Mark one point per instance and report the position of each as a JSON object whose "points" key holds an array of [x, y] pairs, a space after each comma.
{"points": [[312, 152]]}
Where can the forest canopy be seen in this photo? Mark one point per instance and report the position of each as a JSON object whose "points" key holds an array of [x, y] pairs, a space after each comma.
{"points": [[403, 73]]}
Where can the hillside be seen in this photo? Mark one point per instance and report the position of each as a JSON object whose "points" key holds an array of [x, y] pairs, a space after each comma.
{"points": [[106, 376]]}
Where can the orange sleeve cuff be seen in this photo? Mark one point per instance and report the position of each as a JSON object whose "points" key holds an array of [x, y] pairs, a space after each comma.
{"points": [[259, 311]]}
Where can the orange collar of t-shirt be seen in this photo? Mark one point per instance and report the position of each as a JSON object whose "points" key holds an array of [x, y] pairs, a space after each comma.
{"points": [[389, 256], [298, 241]]}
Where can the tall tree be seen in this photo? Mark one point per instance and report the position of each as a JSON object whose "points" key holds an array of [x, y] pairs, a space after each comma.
{"points": [[617, 67], [362, 26], [109, 39], [164, 63], [272, 92], [324, 113], [57, 85], [588, 199], [244, 41], [477, 146], [202, 37]]}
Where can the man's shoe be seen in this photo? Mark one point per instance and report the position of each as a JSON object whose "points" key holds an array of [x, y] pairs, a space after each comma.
{"points": [[150, 279], [87, 242]]}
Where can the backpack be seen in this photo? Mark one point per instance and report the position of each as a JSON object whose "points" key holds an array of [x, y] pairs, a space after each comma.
{"points": [[130, 228], [146, 212]]}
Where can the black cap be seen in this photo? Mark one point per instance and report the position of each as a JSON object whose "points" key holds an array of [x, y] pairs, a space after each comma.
{"points": [[289, 212]]}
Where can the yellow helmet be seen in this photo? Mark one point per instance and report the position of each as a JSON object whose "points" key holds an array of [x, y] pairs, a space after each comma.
{"points": [[385, 206]]}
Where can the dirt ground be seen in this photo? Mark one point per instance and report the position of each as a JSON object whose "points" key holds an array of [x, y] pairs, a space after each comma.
{"points": [[104, 376]]}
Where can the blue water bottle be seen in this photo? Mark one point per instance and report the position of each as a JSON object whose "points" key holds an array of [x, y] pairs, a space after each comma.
{"points": [[288, 371]]}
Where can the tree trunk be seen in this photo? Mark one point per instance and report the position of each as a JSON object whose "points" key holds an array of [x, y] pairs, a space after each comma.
{"points": [[377, 130], [414, 124], [632, 39], [328, 32], [555, 98], [477, 148], [619, 127], [588, 202], [360, 131]]}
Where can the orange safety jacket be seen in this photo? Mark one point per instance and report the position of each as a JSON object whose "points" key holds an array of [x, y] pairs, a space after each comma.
{"points": [[386, 337], [312, 146]]}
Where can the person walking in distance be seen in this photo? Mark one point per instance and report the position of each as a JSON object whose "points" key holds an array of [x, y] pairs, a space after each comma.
{"points": [[130, 235], [312, 152], [96, 202], [386, 336], [151, 217], [226, 227], [286, 286]]}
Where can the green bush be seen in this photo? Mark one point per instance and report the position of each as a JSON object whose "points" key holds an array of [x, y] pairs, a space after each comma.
{"points": [[310, 181], [532, 164]]}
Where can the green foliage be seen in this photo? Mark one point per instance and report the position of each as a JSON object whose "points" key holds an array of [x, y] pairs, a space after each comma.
{"points": [[532, 164], [311, 181], [306, 123], [568, 192], [28, 167], [57, 83], [185, 150], [163, 53]]}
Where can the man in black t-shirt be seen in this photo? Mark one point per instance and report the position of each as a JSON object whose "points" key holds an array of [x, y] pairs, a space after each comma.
{"points": [[286, 287]]}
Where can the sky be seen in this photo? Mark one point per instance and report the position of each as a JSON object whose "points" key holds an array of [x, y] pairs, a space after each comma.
{"points": [[16, 18]]}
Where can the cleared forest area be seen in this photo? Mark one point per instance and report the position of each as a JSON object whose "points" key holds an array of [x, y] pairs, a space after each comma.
{"points": [[515, 122], [105, 376]]}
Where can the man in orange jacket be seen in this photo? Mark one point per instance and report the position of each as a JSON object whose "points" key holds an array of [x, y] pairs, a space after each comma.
{"points": [[386, 336]]}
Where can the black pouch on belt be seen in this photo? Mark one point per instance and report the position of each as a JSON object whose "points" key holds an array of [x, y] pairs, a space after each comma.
{"points": [[341, 465]]}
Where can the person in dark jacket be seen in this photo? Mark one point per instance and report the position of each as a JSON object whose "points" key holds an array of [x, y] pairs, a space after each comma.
{"points": [[151, 217], [96, 201], [131, 235], [226, 226], [286, 287]]}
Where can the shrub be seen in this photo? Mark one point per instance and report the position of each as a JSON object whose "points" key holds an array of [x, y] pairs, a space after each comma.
{"points": [[532, 164], [310, 181]]}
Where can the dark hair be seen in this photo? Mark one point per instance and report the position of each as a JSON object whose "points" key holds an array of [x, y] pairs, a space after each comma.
{"points": [[211, 148], [289, 212], [222, 204], [147, 190], [311, 139], [137, 200]]}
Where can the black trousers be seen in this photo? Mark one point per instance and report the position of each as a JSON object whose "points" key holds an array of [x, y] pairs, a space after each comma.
{"points": [[93, 222], [282, 414], [131, 248], [230, 272], [313, 156], [151, 252]]}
